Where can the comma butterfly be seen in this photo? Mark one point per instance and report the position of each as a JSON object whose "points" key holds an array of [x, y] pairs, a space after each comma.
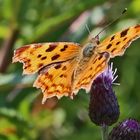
{"points": [[66, 67]]}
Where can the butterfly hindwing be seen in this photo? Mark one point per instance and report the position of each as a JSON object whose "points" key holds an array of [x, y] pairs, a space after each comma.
{"points": [[35, 56], [56, 80], [94, 67], [117, 43]]}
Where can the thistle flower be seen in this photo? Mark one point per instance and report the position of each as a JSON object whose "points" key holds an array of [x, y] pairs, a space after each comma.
{"points": [[129, 129], [103, 107]]}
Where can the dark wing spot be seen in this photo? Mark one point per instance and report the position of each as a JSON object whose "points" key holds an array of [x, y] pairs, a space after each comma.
{"points": [[93, 75], [42, 83], [62, 85], [138, 26], [43, 58], [53, 85], [118, 43], [46, 87], [100, 65], [97, 67], [57, 91], [124, 38], [62, 75], [113, 50], [90, 76], [39, 56], [94, 61], [51, 47], [57, 66], [32, 51], [64, 48], [100, 57], [50, 93], [40, 65], [64, 68], [108, 46], [91, 68], [55, 57], [124, 32], [50, 76], [137, 30], [27, 61], [27, 66], [112, 37]]}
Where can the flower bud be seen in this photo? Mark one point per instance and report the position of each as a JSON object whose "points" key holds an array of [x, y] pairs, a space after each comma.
{"points": [[126, 130], [103, 107]]}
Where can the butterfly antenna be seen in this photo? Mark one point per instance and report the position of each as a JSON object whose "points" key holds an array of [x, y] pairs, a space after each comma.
{"points": [[88, 29], [124, 11]]}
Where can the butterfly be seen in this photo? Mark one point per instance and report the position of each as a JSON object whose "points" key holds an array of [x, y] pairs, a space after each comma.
{"points": [[66, 67]]}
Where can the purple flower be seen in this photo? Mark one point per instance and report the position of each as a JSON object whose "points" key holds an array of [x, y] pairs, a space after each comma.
{"points": [[103, 107], [127, 130]]}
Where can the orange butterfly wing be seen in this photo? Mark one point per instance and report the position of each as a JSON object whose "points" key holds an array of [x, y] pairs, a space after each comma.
{"points": [[94, 67], [57, 80], [35, 56], [117, 43]]}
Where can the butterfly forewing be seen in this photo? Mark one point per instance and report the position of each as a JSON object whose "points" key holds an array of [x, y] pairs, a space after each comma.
{"points": [[117, 43], [35, 56]]}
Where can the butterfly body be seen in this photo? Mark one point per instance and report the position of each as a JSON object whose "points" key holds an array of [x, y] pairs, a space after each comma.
{"points": [[66, 67], [88, 50]]}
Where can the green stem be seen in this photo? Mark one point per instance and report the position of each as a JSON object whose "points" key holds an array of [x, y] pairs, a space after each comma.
{"points": [[104, 131]]}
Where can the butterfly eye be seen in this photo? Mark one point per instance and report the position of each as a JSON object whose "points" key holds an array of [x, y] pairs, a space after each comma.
{"points": [[88, 50]]}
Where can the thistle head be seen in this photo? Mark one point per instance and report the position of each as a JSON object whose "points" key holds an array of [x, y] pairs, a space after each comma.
{"points": [[103, 107], [129, 129]]}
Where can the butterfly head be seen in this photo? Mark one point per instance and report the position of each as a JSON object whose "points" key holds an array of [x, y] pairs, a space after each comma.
{"points": [[90, 47], [94, 40]]}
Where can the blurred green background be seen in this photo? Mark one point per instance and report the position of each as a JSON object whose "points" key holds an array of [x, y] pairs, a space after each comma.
{"points": [[22, 116]]}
